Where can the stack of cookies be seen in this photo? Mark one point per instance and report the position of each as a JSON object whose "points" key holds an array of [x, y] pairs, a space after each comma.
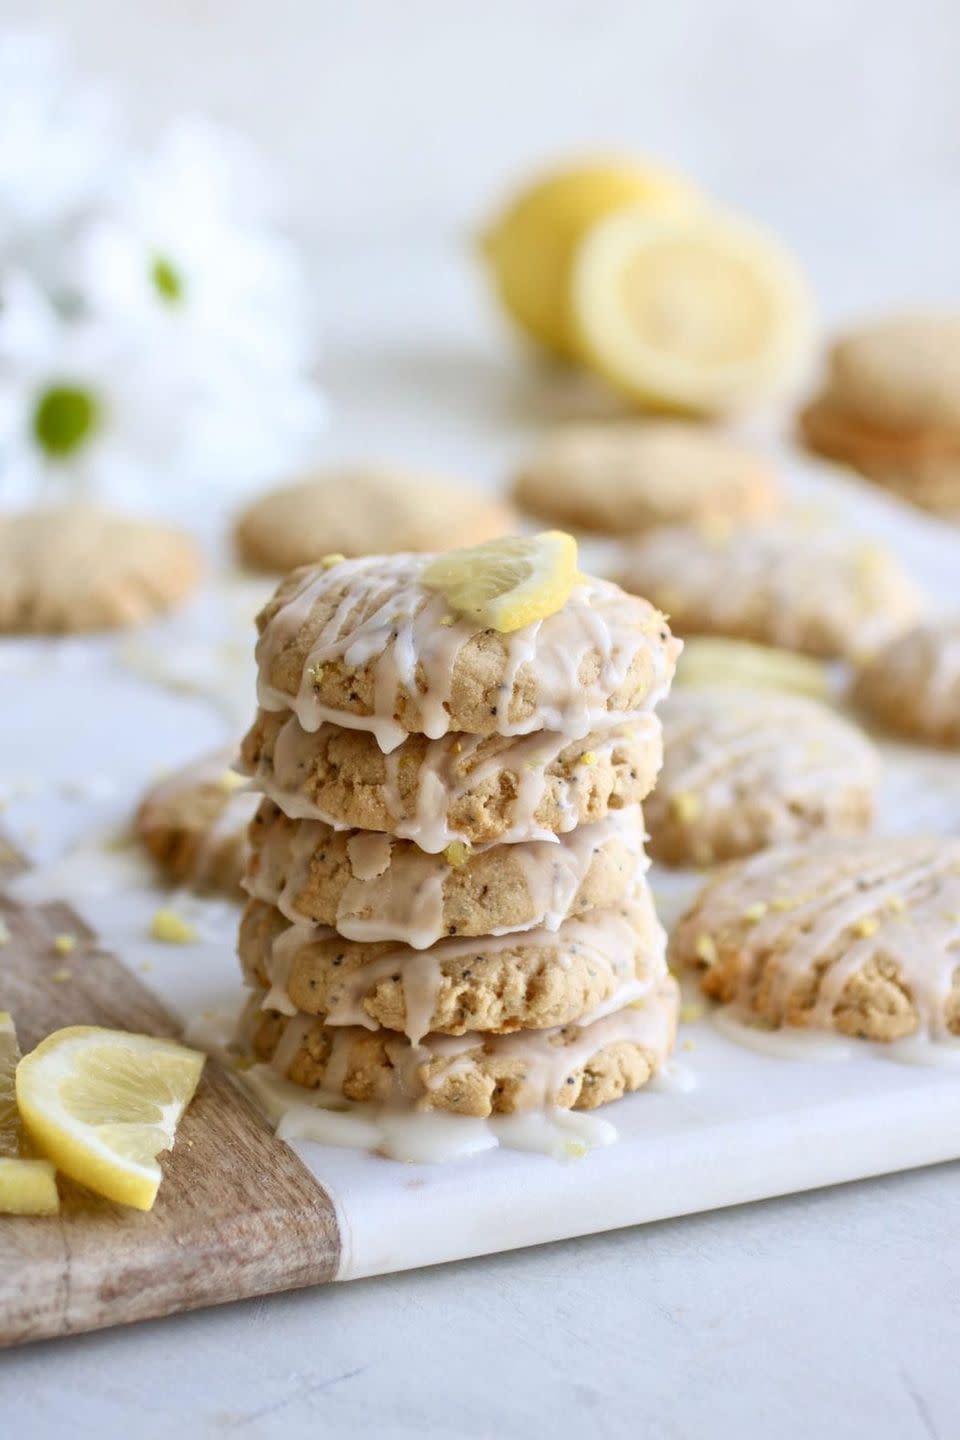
{"points": [[448, 909]]}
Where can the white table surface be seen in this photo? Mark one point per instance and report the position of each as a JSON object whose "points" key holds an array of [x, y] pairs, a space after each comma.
{"points": [[832, 1313]]}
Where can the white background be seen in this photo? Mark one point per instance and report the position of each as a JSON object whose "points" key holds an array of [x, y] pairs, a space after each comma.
{"points": [[836, 122], [394, 125]]}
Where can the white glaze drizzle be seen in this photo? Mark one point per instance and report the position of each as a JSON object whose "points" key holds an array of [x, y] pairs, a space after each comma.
{"points": [[448, 772], [837, 908], [626, 945], [546, 1057], [386, 621], [239, 808], [724, 746], [397, 892]]}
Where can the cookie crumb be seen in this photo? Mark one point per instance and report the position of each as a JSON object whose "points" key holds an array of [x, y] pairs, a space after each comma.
{"points": [[230, 781], [685, 805], [171, 928], [706, 949]]}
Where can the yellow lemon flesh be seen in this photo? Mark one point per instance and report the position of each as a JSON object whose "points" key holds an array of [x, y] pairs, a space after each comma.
{"points": [[700, 315], [530, 249], [102, 1104], [706, 661], [506, 584], [27, 1187]]}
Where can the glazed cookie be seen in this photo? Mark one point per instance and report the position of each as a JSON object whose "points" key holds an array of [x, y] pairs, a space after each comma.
{"points": [[744, 770], [889, 407], [465, 788], [623, 479], [860, 936], [364, 512], [912, 685], [818, 592], [366, 645], [370, 886], [533, 980], [72, 568], [194, 823], [576, 1067]]}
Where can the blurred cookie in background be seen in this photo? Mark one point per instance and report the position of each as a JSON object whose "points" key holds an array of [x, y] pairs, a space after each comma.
{"points": [[194, 823], [623, 479], [912, 685], [890, 408], [746, 769], [73, 568], [364, 510], [819, 592]]}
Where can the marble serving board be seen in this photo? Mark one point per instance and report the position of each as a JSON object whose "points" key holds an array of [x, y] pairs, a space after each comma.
{"points": [[87, 723]]}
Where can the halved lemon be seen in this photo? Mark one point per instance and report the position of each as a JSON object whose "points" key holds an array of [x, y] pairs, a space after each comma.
{"points": [[27, 1187], [102, 1104], [531, 246], [506, 584], [707, 661], [702, 314]]}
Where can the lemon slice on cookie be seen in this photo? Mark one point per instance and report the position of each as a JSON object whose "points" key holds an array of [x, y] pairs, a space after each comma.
{"points": [[506, 584], [27, 1186], [102, 1104], [699, 314]]}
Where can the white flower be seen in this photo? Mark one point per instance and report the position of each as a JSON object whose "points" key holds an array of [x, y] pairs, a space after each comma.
{"points": [[184, 244], [152, 321], [74, 408], [57, 152]]}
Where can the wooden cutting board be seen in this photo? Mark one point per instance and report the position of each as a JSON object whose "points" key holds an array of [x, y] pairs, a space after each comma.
{"points": [[237, 1214]]}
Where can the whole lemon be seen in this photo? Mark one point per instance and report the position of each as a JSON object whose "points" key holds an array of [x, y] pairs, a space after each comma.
{"points": [[531, 247]]}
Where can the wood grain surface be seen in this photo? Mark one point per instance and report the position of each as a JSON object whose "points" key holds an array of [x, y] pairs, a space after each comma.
{"points": [[237, 1214]]}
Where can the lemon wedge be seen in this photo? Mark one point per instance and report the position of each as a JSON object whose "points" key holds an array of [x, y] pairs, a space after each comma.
{"points": [[102, 1104], [701, 315], [27, 1187], [506, 584], [531, 247], [706, 661]]}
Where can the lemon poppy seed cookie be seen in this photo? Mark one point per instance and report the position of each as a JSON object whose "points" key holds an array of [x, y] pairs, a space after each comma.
{"points": [[744, 770], [75, 568], [364, 511], [889, 407], [624, 479], [912, 685], [574, 1067], [502, 983], [375, 644], [370, 886], [859, 936], [194, 823], [818, 592], [468, 788]]}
